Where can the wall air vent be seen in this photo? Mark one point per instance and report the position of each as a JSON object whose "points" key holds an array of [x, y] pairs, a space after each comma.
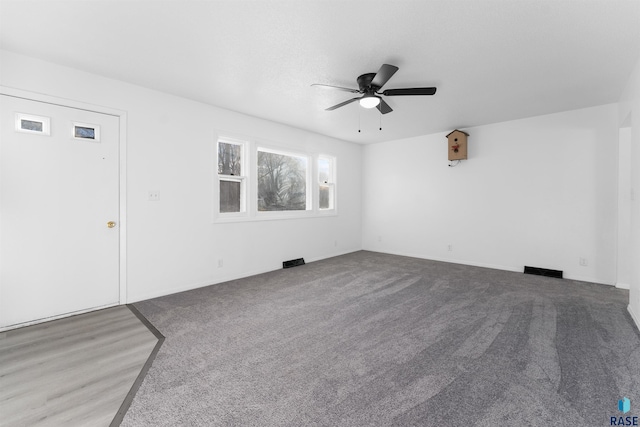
{"points": [[543, 272], [293, 263]]}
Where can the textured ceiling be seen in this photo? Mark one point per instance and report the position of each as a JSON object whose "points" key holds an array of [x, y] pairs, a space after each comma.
{"points": [[492, 60]]}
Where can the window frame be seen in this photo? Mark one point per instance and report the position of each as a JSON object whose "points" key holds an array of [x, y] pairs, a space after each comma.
{"points": [[331, 183], [45, 121], [243, 178], [249, 180], [96, 131]]}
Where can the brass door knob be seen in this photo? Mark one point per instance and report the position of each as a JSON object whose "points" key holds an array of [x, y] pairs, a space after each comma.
{"points": [[111, 224]]}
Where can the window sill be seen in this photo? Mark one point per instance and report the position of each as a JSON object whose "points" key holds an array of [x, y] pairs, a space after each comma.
{"points": [[272, 216]]}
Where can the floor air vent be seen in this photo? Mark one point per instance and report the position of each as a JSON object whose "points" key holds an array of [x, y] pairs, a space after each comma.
{"points": [[543, 272], [293, 263]]}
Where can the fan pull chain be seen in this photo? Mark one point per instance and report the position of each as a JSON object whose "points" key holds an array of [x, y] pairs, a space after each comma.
{"points": [[359, 112], [380, 120]]}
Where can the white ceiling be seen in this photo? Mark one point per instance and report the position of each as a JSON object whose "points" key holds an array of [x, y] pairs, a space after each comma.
{"points": [[492, 60]]}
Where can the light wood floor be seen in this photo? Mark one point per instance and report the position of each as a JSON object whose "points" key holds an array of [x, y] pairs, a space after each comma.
{"points": [[76, 371]]}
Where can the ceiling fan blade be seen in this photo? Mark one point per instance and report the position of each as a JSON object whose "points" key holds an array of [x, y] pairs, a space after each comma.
{"points": [[383, 107], [410, 91], [383, 75], [342, 104], [346, 89]]}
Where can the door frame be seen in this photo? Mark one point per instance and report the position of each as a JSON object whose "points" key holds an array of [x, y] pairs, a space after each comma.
{"points": [[122, 176]]}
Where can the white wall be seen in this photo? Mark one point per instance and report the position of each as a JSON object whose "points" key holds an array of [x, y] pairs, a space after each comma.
{"points": [[173, 245], [625, 262], [629, 115], [540, 191]]}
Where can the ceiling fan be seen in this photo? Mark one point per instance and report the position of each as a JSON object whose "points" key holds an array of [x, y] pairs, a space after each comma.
{"points": [[369, 86]]}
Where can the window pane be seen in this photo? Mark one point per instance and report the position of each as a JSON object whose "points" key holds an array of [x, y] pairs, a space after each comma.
{"points": [[229, 159], [282, 182], [324, 169], [84, 132], [326, 197], [230, 196], [31, 125]]}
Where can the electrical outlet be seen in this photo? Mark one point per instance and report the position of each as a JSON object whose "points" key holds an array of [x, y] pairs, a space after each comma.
{"points": [[335, 243], [583, 262], [220, 263], [450, 248], [154, 196], [379, 238]]}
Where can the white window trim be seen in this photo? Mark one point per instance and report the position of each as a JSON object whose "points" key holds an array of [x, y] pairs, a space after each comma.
{"points": [[332, 183], [250, 167], [96, 131], [244, 179], [46, 124]]}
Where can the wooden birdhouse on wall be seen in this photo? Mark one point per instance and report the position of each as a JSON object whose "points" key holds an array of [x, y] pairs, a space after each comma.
{"points": [[457, 145]]}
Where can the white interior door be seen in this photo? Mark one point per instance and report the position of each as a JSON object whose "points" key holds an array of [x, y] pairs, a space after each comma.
{"points": [[58, 192]]}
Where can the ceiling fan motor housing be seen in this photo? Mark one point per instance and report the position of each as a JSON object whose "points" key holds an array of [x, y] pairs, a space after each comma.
{"points": [[364, 83], [370, 83]]}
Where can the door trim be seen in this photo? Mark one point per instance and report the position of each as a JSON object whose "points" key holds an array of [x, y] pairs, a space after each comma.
{"points": [[122, 170]]}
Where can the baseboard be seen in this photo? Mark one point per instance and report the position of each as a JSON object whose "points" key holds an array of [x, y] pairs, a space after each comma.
{"points": [[623, 286], [223, 279], [634, 316], [59, 316], [192, 286], [588, 280], [447, 260], [482, 265], [320, 258]]}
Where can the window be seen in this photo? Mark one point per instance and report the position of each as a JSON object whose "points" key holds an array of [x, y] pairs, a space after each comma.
{"points": [[231, 176], [326, 183], [282, 181], [85, 131], [256, 182], [33, 124]]}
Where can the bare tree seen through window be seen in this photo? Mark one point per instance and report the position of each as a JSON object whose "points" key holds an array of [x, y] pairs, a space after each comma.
{"points": [[230, 164], [229, 159], [282, 182]]}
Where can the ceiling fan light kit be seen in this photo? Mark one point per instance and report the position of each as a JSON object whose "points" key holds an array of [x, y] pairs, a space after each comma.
{"points": [[370, 84], [370, 101]]}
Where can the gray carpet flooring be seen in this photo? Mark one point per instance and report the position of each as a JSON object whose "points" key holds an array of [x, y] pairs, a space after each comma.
{"points": [[369, 339]]}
